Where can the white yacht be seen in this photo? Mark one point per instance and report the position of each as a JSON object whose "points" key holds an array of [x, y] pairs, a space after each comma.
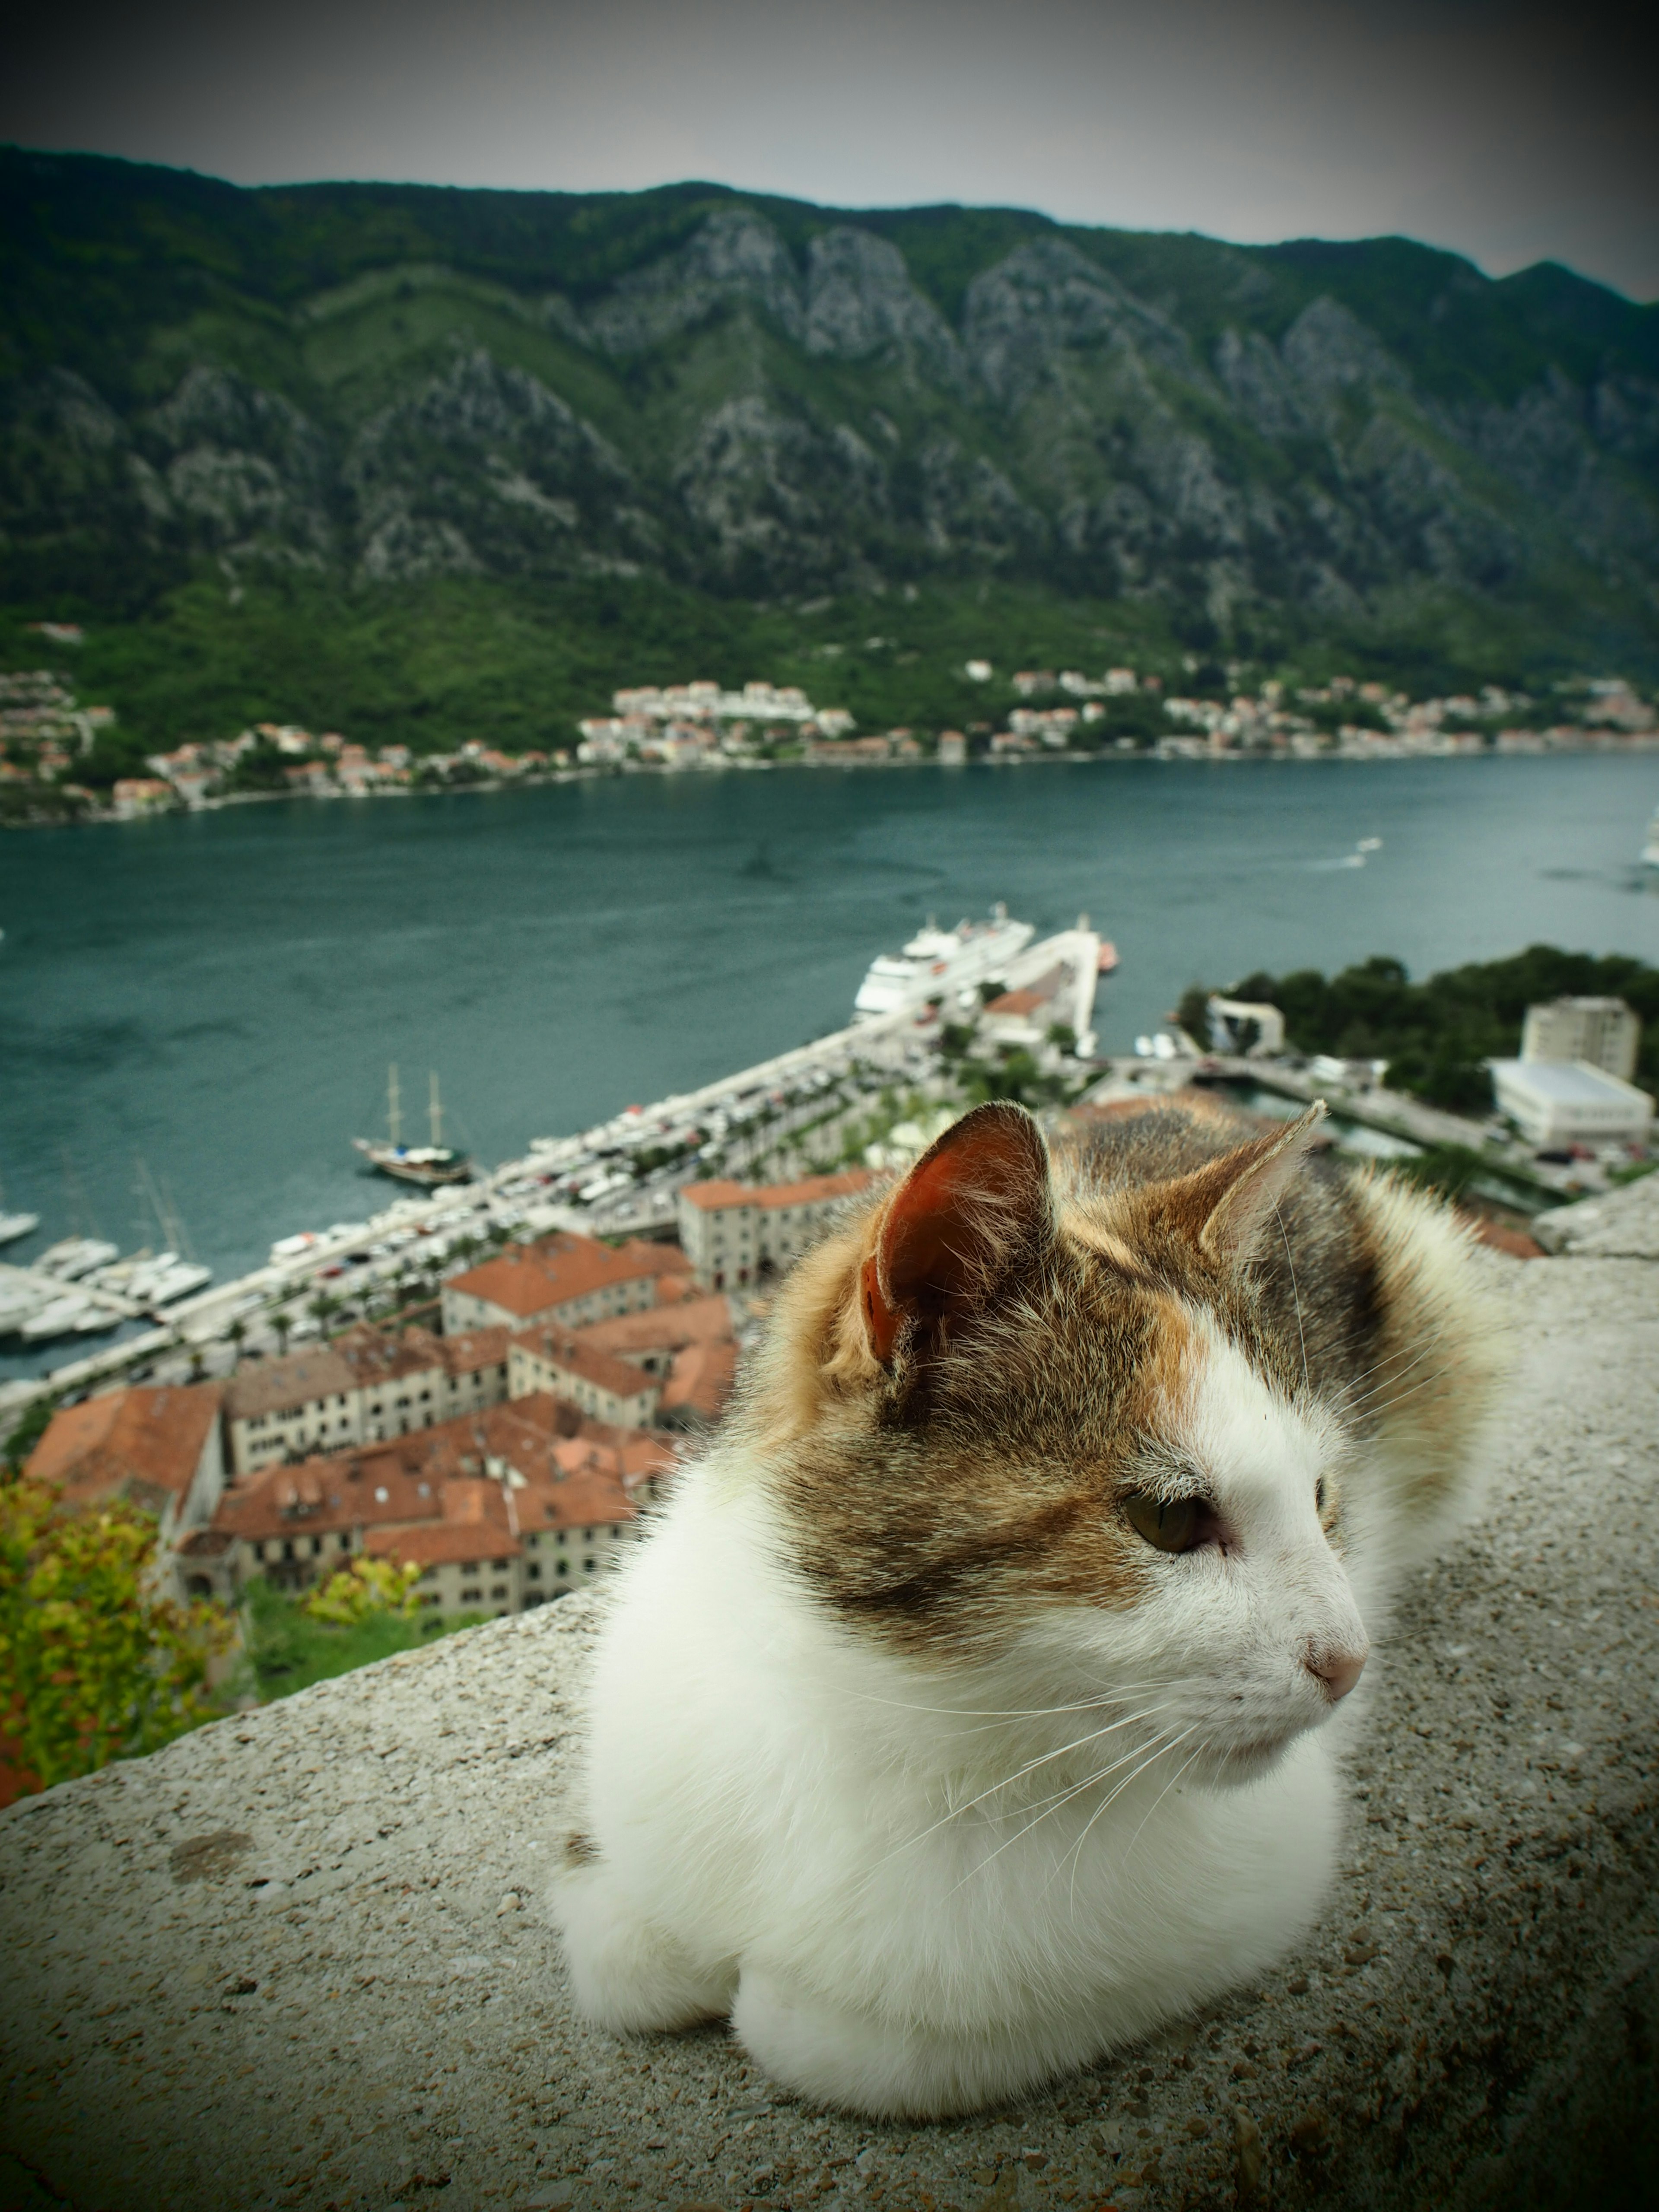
{"points": [[13, 1225], [941, 963], [75, 1255], [72, 1314], [150, 1279]]}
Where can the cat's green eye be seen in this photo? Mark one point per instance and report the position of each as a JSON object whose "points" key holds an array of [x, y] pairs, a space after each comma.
{"points": [[1170, 1523]]}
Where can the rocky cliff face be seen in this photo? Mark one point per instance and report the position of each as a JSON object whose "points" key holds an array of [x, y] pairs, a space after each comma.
{"points": [[748, 411]]}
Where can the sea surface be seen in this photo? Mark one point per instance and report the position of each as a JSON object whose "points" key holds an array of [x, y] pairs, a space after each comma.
{"points": [[201, 1010]]}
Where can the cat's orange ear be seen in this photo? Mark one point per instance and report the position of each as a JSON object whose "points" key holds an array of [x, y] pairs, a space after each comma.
{"points": [[1226, 1205], [977, 1203]]}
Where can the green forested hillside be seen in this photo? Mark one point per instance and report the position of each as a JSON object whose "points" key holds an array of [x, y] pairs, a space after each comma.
{"points": [[439, 462]]}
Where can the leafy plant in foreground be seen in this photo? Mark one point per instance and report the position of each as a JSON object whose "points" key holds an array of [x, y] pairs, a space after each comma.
{"points": [[93, 1664]]}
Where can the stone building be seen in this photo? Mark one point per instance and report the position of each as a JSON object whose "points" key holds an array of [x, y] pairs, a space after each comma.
{"points": [[605, 1388], [365, 1386], [568, 1279], [488, 1506], [161, 1448], [735, 1232]]}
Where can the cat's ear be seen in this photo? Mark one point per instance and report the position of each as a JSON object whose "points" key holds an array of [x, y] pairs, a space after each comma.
{"points": [[1226, 1205], [975, 1205]]}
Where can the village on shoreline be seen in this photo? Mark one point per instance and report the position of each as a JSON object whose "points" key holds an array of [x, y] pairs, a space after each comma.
{"points": [[46, 735]]}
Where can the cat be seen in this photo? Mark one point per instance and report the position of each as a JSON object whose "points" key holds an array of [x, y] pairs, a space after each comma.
{"points": [[964, 1715]]}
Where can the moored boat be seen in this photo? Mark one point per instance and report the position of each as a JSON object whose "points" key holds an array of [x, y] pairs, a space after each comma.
{"points": [[427, 1166]]}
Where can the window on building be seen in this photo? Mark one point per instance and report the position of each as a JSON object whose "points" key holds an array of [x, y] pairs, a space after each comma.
{"points": [[498, 1590], [469, 1566], [562, 1567], [534, 1570], [471, 1596], [588, 1565]]}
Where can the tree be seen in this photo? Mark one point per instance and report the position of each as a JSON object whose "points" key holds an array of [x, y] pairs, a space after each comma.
{"points": [[94, 1665], [27, 1432], [365, 1587]]}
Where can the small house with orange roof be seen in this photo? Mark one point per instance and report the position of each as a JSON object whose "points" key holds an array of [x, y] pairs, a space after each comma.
{"points": [[158, 1449]]}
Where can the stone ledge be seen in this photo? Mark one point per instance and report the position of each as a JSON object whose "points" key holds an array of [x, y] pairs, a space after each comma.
{"points": [[300, 1958], [1624, 1225]]}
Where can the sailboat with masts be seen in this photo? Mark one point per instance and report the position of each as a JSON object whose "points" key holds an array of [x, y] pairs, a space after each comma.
{"points": [[428, 1165]]}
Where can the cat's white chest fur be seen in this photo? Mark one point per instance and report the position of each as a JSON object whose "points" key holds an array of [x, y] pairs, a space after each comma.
{"points": [[790, 1835]]}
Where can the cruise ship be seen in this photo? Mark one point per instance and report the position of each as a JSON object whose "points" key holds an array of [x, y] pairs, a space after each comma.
{"points": [[941, 963]]}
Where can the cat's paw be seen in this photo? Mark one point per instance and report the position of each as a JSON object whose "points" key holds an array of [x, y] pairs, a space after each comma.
{"points": [[627, 1973], [867, 2064]]}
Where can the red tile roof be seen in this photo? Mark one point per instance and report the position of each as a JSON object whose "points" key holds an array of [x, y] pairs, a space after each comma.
{"points": [[280, 1386], [712, 1197], [469, 1351], [700, 1383], [687, 1319], [570, 1355], [575, 1473], [145, 1444], [531, 1280]]}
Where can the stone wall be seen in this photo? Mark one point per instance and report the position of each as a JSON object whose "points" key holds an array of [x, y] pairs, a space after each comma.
{"points": [[302, 1957]]}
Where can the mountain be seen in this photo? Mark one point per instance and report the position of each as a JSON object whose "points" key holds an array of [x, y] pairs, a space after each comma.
{"points": [[378, 390]]}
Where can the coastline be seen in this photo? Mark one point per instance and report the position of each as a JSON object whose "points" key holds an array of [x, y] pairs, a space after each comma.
{"points": [[1168, 751]]}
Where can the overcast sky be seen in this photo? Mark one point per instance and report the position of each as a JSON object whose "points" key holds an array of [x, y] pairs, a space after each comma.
{"points": [[1513, 134]]}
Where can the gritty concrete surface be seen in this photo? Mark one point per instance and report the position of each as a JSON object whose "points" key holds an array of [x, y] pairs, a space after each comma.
{"points": [[302, 1957]]}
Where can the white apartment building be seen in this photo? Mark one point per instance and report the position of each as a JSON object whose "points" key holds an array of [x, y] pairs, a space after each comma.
{"points": [[732, 1232], [1603, 1032]]}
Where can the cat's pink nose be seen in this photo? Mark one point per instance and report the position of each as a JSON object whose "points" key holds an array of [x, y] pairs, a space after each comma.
{"points": [[1337, 1671]]}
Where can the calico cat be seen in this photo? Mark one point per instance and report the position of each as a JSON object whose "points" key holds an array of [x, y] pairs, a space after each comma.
{"points": [[965, 1714]]}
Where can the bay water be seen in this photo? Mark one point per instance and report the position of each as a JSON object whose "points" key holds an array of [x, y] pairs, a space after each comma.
{"points": [[201, 1008]]}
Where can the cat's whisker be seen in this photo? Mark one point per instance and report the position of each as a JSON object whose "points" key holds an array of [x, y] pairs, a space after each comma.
{"points": [[1014, 1712], [1008, 1780], [1424, 1383], [1357, 1398], [1065, 1798], [1295, 1292], [1196, 1753], [1075, 1853]]}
